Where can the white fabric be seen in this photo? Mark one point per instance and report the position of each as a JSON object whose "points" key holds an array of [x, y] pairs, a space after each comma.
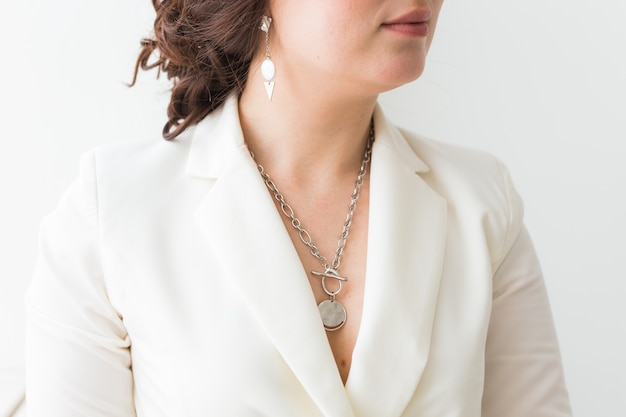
{"points": [[167, 285], [12, 389]]}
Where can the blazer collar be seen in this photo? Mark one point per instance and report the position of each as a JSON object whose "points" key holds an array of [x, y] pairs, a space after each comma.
{"points": [[213, 139], [406, 242], [406, 245]]}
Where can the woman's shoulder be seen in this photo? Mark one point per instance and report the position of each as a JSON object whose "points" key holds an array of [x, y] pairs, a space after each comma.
{"points": [[451, 160], [456, 170], [134, 175], [475, 184], [140, 157]]}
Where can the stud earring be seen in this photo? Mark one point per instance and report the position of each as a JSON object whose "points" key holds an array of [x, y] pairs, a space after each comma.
{"points": [[268, 70]]}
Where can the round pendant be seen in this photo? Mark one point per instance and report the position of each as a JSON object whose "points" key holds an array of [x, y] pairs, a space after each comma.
{"points": [[333, 314], [268, 70]]}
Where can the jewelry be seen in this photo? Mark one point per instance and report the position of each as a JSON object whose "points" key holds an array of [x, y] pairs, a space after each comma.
{"points": [[333, 313], [268, 69]]}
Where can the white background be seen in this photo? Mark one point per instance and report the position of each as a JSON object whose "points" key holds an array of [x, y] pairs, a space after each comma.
{"points": [[539, 83]]}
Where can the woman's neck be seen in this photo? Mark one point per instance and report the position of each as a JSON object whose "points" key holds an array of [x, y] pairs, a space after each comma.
{"points": [[305, 132]]}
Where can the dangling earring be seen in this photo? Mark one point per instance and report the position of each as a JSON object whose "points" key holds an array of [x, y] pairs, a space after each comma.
{"points": [[268, 70]]}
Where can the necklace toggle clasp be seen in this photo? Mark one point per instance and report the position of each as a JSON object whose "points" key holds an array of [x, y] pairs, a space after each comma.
{"points": [[330, 273]]}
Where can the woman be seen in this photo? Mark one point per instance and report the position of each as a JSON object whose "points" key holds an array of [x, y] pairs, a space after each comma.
{"points": [[203, 276]]}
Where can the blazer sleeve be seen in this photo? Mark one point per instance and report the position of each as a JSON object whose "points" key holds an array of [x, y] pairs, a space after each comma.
{"points": [[78, 351], [523, 374]]}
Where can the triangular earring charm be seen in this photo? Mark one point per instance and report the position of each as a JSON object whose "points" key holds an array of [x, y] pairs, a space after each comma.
{"points": [[269, 88]]}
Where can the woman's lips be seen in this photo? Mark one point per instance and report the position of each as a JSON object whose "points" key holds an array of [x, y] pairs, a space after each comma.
{"points": [[419, 29], [413, 23]]}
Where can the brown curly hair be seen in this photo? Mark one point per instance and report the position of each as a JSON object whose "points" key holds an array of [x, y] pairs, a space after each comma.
{"points": [[205, 47]]}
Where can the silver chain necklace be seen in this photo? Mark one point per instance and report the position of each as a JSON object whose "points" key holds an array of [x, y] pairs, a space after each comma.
{"points": [[332, 312]]}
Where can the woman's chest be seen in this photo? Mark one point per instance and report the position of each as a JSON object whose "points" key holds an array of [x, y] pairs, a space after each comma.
{"points": [[333, 252]]}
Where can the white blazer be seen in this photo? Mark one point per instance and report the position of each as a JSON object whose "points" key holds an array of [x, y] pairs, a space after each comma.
{"points": [[167, 285]]}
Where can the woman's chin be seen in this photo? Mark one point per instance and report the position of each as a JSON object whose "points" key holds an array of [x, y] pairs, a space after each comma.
{"points": [[398, 76]]}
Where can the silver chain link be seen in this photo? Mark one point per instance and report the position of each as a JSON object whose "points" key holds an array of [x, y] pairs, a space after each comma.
{"points": [[305, 236]]}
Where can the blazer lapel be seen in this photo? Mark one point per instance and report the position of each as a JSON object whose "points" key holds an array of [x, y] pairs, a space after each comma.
{"points": [[407, 229], [246, 233]]}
